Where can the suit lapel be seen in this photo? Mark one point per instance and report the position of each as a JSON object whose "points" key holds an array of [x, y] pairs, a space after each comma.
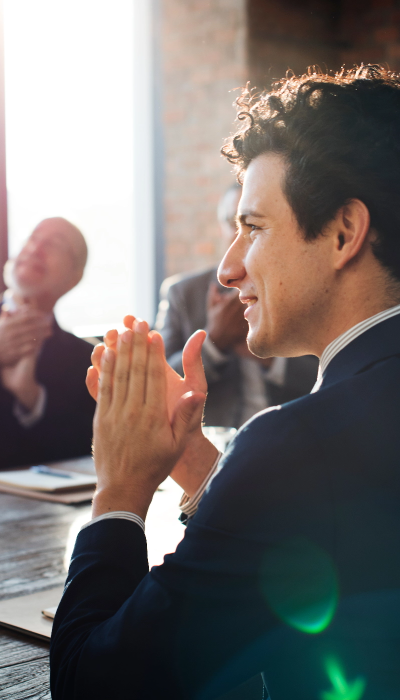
{"points": [[376, 344]]}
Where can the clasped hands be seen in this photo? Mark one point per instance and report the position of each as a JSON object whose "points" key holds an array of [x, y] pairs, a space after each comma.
{"points": [[22, 335], [147, 423]]}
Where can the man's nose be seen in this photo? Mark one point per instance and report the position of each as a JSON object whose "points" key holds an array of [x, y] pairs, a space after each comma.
{"points": [[35, 247], [231, 270]]}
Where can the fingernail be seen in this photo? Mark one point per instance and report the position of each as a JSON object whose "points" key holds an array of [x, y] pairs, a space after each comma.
{"points": [[126, 336], [108, 355], [141, 327]]}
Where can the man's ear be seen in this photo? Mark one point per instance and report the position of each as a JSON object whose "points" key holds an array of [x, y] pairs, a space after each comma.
{"points": [[351, 226], [77, 277]]}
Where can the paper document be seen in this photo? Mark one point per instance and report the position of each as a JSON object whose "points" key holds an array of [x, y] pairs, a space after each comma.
{"points": [[24, 614], [50, 482]]}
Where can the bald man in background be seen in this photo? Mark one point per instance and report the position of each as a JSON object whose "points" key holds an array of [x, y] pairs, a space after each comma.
{"points": [[45, 413]]}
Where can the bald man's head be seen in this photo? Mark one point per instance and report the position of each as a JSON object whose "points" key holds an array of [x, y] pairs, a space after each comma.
{"points": [[50, 263], [58, 226]]}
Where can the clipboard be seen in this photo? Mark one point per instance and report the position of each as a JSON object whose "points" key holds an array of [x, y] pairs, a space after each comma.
{"points": [[24, 614]]}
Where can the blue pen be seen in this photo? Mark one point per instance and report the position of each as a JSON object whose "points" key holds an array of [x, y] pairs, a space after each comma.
{"points": [[41, 469]]}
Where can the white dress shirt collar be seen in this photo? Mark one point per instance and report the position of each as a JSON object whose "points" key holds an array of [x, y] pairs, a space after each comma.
{"points": [[342, 340]]}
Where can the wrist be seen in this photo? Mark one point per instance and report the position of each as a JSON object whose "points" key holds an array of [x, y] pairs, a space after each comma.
{"points": [[133, 500], [27, 396], [195, 464]]}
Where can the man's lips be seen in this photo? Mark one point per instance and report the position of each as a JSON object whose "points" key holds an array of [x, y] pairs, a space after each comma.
{"points": [[250, 301]]}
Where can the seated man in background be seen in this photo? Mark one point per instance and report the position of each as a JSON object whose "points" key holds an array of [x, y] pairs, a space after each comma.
{"points": [[45, 411], [239, 384]]}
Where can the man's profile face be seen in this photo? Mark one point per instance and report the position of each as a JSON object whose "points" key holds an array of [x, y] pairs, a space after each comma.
{"points": [[281, 277], [47, 261]]}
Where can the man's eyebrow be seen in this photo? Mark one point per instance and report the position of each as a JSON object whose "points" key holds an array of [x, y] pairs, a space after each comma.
{"points": [[242, 218]]}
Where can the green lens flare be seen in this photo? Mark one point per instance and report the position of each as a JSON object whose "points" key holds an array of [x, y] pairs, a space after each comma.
{"points": [[342, 689], [299, 582]]}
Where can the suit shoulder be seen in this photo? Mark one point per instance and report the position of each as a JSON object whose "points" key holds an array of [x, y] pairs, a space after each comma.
{"points": [[183, 282], [275, 424], [71, 343]]}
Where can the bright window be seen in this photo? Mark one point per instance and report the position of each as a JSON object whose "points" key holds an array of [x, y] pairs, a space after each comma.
{"points": [[70, 84]]}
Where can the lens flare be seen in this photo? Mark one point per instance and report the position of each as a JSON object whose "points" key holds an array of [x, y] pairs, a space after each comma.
{"points": [[342, 689], [299, 582]]}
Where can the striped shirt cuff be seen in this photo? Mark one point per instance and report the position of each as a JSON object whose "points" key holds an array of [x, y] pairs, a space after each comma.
{"points": [[118, 515], [187, 505], [29, 418]]}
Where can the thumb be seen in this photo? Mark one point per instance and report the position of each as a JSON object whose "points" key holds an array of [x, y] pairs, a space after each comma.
{"points": [[188, 415], [192, 362], [92, 382]]}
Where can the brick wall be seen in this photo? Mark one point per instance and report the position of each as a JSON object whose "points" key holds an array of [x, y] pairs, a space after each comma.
{"points": [[203, 59], [296, 33], [212, 46], [370, 32], [288, 34]]}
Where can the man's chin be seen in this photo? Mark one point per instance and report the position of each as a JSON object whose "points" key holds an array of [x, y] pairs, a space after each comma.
{"points": [[258, 346], [27, 285]]}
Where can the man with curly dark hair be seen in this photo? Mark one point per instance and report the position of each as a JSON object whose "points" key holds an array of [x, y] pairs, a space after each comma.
{"points": [[290, 564]]}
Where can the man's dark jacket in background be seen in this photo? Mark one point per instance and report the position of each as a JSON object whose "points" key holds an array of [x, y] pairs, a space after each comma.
{"points": [[290, 567], [65, 429]]}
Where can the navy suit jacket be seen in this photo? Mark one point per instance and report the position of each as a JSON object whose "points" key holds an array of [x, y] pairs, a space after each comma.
{"points": [[65, 429], [290, 567]]}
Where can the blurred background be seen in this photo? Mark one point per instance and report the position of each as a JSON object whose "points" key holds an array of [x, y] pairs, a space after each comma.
{"points": [[113, 114]]}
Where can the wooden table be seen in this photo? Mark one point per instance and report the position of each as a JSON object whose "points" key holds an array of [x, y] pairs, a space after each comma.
{"points": [[34, 537]]}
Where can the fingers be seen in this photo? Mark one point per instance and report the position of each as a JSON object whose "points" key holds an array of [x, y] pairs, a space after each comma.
{"points": [[97, 355], [156, 390], [29, 331], [92, 382], [111, 339], [122, 369], [129, 321], [137, 379], [192, 362], [105, 384], [30, 323], [134, 376], [130, 359]]}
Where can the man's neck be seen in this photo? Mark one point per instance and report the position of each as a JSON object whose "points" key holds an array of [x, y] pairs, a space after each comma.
{"points": [[354, 299], [41, 303]]}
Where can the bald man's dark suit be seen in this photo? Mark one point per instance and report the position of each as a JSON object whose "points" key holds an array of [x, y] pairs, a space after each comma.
{"points": [[65, 429], [290, 567]]}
